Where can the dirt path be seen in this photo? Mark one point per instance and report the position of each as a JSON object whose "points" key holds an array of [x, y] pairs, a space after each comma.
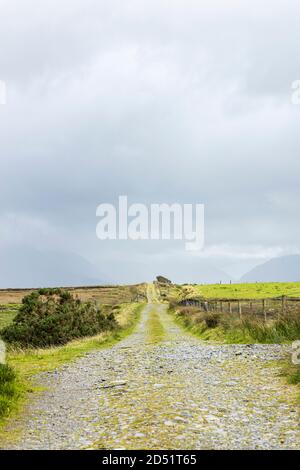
{"points": [[162, 388]]}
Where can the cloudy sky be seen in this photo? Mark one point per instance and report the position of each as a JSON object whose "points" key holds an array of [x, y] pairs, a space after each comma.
{"points": [[163, 101]]}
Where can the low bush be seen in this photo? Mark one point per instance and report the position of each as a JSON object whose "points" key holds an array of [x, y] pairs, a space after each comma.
{"points": [[211, 319], [53, 317], [196, 316]]}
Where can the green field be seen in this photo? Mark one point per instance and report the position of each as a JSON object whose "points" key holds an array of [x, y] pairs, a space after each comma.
{"points": [[7, 314], [245, 291]]}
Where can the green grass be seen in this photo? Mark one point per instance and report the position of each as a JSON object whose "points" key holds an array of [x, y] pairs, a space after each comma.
{"points": [[247, 291], [294, 376], [28, 362], [197, 328], [7, 314], [6, 318], [155, 329], [10, 390]]}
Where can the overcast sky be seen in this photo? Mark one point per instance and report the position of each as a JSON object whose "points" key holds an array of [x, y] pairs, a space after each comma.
{"points": [[164, 101]]}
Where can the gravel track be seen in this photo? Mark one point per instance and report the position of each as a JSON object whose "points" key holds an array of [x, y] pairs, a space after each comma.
{"points": [[161, 388]]}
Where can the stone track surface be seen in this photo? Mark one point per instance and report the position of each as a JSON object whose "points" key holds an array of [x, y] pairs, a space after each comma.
{"points": [[161, 388]]}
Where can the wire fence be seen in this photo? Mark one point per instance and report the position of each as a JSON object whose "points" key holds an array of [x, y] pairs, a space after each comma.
{"points": [[265, 308]]}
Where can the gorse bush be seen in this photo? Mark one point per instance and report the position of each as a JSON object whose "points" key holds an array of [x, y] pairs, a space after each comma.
{"points": [[8, 389], [52, 317]]}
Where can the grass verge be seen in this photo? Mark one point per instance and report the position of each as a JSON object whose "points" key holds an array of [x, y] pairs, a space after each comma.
{"points": [[23, 364], [9, 389], [230, 328]]}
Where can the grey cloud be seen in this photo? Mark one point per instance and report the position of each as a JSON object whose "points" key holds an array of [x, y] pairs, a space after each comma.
{"points": [[164, 103]]}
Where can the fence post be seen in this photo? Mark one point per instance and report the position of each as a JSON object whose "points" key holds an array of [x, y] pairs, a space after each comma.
{"points": [[240, 309], [229, 306], [264, 309], [221, 306], [283, 306]]}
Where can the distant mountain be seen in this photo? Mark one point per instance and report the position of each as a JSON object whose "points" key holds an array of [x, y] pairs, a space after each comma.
{"points": [[282, 269], [28, 267]]}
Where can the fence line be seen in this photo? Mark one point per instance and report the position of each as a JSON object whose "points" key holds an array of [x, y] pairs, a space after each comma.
{"points": [[266, 307]]}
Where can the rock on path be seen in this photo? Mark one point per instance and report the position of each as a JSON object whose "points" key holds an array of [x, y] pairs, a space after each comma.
{"points": [[161, 388]]}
